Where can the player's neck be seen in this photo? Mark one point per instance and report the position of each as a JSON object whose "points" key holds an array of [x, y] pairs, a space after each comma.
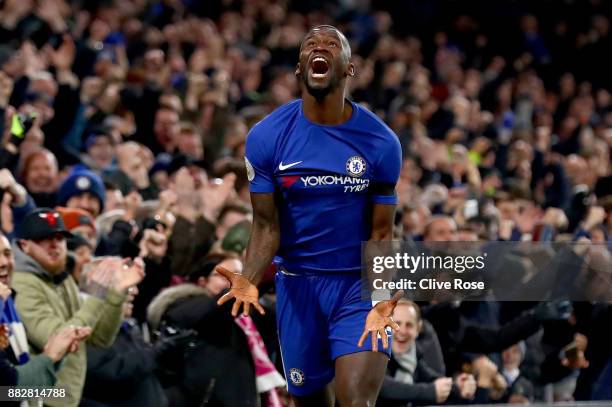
{"points": [[332, 110]]}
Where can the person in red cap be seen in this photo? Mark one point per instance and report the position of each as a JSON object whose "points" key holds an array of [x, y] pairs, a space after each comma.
{"points": [[49, 301], [79, 222]]}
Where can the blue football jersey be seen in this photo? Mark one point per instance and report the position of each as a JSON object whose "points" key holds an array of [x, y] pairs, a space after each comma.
{"points": [[324, 179]]}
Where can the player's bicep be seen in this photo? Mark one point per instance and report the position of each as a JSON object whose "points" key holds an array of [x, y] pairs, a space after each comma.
{"points": [[265, 212]]}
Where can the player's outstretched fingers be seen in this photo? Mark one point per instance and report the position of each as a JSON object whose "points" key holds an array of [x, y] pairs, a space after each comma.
{"points": [[385, 338], [364, 335], [259, 308], [374, 340], [392, 324], [236, 307], [225, 298], [246, 308]]}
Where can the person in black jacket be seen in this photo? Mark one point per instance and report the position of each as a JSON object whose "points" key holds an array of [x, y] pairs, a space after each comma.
{"points": [[409, 380], [458, 336], [129, 366], [219, 370]]}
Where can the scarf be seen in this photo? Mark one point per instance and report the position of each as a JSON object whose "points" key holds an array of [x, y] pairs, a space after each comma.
{"points": [[407, 362], [17, 336], [267, 377]]}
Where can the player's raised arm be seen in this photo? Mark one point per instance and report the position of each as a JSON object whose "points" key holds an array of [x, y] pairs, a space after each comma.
{"points": [[263, 243]]}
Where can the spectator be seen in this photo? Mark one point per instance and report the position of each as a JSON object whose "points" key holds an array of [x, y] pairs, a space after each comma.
{"points": [[79, 222], [409, 380], [15, 202], [198, 205], [40, 257], [82, 189], [192, 305], [39, 370], [80, 253], [99, 149], [440, 229], [189, 142], [129, 365], [512, 358], [230, 215], [40, 177], [166, 130]]}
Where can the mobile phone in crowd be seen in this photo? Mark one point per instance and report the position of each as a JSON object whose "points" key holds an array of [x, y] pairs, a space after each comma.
{"points": [[470, 208]]}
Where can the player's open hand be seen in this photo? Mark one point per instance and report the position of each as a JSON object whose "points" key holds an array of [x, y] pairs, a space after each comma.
{"points": [[378, 319], [245, 292]]}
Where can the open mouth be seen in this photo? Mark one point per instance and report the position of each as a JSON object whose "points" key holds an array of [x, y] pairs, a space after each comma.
{"points": [[54, 255], [319, 67]]}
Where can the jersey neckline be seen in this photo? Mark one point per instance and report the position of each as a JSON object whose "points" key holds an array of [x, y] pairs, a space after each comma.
{"points": [[350, 120]]}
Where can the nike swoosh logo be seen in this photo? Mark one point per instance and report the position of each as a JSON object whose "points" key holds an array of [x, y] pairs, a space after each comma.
{"points": [[284, 167]]}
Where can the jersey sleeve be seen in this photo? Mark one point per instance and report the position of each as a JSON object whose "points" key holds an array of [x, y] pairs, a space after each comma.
{"points": [[259, 160], [387, 173]]}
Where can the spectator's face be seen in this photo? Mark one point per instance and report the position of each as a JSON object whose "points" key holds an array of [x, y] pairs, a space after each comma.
{"points": [[512, 357], [324, 63], [86, 201], [41, 174], [114, 200], [161, 180], [166, 128], [189, 143], [508, 210], [411, 222], [406, 317], [87, 232], [82, 256], [576, 169], [441, 230], [6, 261], [50, 253], [467, 236], [235, 133], [411, 171], [102, 152]]}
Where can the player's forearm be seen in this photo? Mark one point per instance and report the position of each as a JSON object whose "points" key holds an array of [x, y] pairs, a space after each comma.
{"points": [[381, 234], [382, 223], [263, 244]]}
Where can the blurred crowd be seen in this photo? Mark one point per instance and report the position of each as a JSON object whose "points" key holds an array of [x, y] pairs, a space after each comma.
{"points": [[123, 186]]}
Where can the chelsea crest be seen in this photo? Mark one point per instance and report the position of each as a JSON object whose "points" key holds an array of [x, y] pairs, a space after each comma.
{"points": [[356, 166]]}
